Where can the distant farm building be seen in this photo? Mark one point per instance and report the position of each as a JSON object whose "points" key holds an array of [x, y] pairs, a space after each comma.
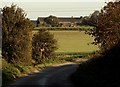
{"points": [[63, 21]]}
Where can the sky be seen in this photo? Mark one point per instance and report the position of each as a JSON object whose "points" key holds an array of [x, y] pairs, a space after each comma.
{"points": [[59, 8]]}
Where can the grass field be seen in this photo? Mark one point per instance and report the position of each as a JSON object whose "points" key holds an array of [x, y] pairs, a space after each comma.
{"points": [[73, 41]]}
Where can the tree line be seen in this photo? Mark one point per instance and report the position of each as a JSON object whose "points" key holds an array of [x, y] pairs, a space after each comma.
{"points": [[54, 21], [19, 45], [103, 68]]}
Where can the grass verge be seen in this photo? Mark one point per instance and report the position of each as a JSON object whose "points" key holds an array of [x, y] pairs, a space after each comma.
{"points": [[11, 72]]}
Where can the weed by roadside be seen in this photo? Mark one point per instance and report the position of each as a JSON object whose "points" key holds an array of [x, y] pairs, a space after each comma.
{"points": [[12, 72]]}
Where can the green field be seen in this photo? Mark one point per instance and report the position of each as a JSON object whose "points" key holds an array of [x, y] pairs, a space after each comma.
{"points": [[73, 41]]}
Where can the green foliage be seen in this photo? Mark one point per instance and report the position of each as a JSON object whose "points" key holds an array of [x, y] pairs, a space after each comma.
{"points": [[107, 32], [44, 46], [52, 20], [102, 70], [85, 20], [9, 72], [17, 35], [80, 28], [91, 20], [22, 69], [69, 59]]}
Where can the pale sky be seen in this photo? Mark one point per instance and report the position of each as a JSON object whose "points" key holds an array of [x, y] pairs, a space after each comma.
{"points": [[59, 8]]}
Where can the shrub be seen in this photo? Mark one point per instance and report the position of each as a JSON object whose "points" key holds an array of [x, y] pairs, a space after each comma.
{"points": [[9, 72], [22, 69], [100, 70], [44, 46], [16, 35]]}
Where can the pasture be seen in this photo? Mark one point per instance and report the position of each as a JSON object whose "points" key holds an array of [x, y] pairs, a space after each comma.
{"points": [[73, 41]]}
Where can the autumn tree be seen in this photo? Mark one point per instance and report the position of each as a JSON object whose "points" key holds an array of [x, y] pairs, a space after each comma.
{"points": [[107, 31], [17, 35], [44, 46]]}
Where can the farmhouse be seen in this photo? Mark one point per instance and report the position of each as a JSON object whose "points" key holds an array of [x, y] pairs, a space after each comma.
{"points": [[64, 21], [69, 21]]}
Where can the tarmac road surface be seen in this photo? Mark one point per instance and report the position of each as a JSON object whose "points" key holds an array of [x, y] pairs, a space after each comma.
{"points": [[57, 76]]}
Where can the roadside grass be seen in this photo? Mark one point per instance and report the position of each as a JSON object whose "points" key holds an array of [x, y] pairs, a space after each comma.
{"points": [[64, 58], [74, 46], [11, 72]]}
